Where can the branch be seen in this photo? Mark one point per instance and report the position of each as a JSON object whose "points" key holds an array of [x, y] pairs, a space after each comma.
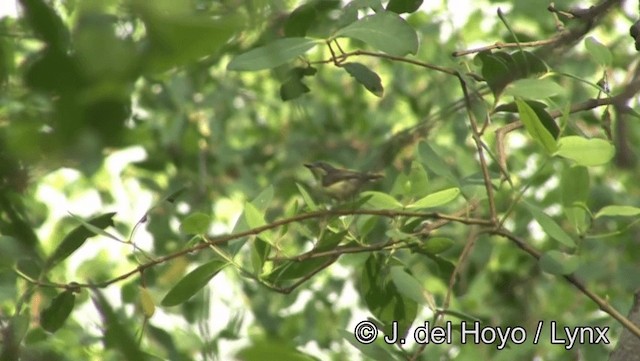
{"points": [[218, 240], [603, 304], [586, 16]]}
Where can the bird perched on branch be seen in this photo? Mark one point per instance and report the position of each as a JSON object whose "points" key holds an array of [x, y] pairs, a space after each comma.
{"points": [[340, 183]]}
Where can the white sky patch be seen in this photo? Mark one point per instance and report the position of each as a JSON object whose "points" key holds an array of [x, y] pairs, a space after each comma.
{"points": [[9, 8]]}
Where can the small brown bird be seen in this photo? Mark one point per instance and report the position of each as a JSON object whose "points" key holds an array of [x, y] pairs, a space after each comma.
{"points": [[340, 183]]}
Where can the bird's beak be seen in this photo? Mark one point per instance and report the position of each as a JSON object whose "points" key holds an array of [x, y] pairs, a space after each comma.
{"points": [[309, 165]]}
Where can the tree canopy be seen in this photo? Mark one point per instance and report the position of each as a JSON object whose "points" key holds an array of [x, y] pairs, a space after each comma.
{"points": [[154, 202]]}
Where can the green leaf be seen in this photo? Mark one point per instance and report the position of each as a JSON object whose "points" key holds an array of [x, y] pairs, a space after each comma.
{"points": [[574, 183], [28, 268], [534, 88], [539, 109], [306, 16], [271, 350], [54, 316], [307, 198], [146, 302], [171, 197], [535, 128], [600, 53], [407, 284], [495, 71], [272, 55], [78, 236], [432, 160], [529, 64], [374, 351], [291, 270], [263, 199], [381, 200], [116, 335], [196, 223], [623, 211], [382, 297], [254, 217], [435, 245], [585, 152], [558, 263], [192, 283], [330, 240], [418, 180], [436, 199], [259, 253], [384, 31], [177, 37], [366, 77], [293, 88], [46, 23], [403, 6], [551, 228]]}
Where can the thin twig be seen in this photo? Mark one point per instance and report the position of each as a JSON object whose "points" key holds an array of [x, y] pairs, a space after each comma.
{"points": [[603, 304], [483, 162], [218, 240]]}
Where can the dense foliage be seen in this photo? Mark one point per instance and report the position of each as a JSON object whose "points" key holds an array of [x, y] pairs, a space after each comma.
{"points": [[154, 202]]}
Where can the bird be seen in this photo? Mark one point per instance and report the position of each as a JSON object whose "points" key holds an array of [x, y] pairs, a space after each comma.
{"points": [[339, 183]]}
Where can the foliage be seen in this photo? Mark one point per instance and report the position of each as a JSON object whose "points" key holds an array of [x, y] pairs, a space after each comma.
{"points": [[509, 201]]}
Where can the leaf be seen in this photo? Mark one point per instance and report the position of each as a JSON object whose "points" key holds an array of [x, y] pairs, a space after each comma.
{"points": [[407, 284], [418, 180], [385, 31], [600, 53], [495, 72], [432, 160], [177, 37], [382, 297], [146, 303], [435, 245], [585, 152], [259, 253], [551, 228], [28, 268], [116, 335], [272, 55], [306, 15], [45, 23], [307, 198], [78, 236], [539, 109], [529, 64], [574, 184], [366, 77], [436, 199], [171, 197], [271, 350], [623, 211], [381, 200], [196, 223], [293, 88], [373, 351], [535, 128], [254, 217], [192, 283], [54, 316], [558, 263], [534, 88], [403, 6], [263, 199], [291, 270]]}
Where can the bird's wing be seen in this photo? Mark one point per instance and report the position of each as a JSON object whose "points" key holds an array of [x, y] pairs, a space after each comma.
{"points": [[343, 175]]}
